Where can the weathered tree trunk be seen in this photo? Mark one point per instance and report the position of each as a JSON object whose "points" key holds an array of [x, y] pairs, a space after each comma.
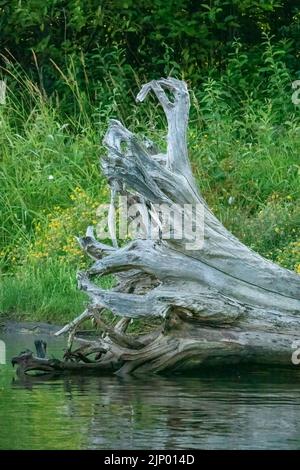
{"points": [[218, 304]]}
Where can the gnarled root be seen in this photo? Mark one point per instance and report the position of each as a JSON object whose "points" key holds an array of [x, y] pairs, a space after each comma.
{"points": [[212, 304]]}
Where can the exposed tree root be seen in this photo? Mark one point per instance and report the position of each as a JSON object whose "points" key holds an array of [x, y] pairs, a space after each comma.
{"points": [[220, 303]]}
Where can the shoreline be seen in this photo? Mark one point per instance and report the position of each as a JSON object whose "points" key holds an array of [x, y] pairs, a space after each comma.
{"points": [[30, 327]]}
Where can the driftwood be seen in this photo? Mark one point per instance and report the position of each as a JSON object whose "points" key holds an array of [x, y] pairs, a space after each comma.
{"points": [[219, 304]]}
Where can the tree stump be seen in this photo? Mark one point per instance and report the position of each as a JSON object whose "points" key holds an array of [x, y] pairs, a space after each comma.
{"points": [[219, 304]]}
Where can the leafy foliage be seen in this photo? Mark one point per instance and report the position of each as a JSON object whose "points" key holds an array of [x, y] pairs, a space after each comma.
{"points": [[154, 37]]}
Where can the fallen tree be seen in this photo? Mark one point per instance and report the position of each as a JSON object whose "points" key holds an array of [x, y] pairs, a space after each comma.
{"points": [[220, 303]]}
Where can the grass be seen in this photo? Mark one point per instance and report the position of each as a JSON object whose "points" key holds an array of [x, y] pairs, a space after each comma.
{"points": [[244, 150], [46, 292]]}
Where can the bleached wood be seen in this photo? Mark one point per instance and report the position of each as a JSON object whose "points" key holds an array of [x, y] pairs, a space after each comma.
{"points": [[220, 304]]}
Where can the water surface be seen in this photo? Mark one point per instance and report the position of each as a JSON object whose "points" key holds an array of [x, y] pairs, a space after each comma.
{"points": [[236, 409]]}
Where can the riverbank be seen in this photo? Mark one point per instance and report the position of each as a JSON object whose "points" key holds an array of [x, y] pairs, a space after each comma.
{"points": [[32, 328]]}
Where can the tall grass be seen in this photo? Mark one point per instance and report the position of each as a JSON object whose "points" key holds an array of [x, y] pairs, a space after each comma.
{"points": [[244, 141], [42, 292]]}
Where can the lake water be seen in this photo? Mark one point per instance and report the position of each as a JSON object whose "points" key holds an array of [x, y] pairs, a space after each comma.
{"points": [[231, 410]]}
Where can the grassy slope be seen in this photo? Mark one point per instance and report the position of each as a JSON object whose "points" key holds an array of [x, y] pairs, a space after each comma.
{"points": [[245, 157]]}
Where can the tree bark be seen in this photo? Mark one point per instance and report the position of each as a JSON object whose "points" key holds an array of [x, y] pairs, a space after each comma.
{"points": [[219, 304]]}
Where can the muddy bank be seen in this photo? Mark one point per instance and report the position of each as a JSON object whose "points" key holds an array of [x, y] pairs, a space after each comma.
{"points": [[37, 328], [15, 327]]}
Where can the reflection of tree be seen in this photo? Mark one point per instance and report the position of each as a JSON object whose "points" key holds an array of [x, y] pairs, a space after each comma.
{"points": [[188, 413], [215, 410]]}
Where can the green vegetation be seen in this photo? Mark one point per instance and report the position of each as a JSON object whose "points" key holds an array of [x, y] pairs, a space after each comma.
{"points": [[77, 71]]}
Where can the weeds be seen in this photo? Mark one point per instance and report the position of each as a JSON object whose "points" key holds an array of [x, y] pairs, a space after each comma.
{"points": [[244, 141]]}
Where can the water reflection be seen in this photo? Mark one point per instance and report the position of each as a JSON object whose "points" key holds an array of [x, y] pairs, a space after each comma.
{"points": [[234, 409]]}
